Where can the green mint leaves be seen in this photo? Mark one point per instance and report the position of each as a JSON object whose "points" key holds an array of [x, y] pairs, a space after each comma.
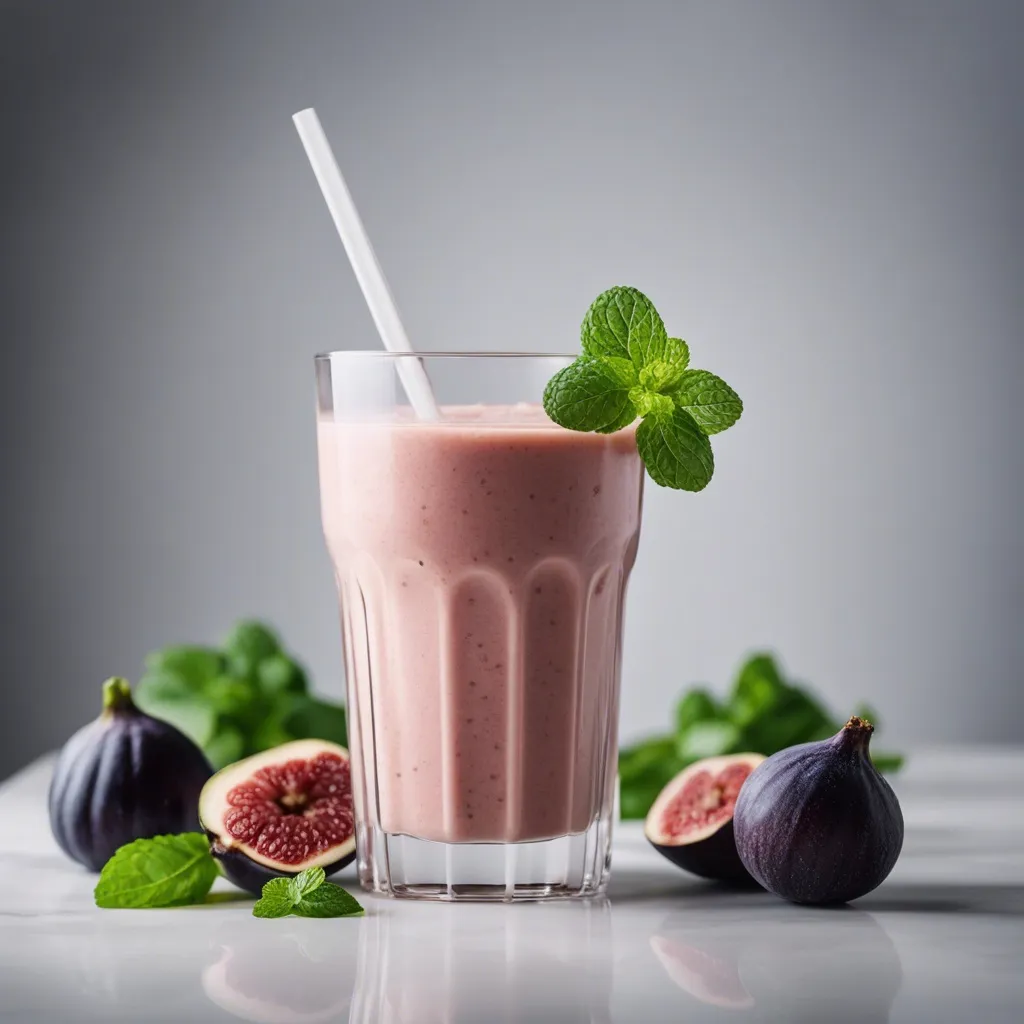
{"points": [[764, 712], [676, 452], [248, 695], [592, 394], [175, 871], [308, 894], [165, 871], [623, 322], [630, 368], [708, 399]]}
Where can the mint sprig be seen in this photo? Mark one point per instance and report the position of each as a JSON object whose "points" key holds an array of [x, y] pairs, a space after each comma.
{"points": [[165, 871], [630, 368], [308, 894], [179, 870]]}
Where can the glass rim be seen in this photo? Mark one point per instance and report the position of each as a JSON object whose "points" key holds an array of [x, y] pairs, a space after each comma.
{"points": [[420, 354]]}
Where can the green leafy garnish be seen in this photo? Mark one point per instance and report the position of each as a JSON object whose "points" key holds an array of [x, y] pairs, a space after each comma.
{"points": [[306, 895], [708, 399], [676, 452], [590, 394], [238, 700], [176, 871], [630, 368], [763, 714], [329, 901], [306, 881], [165, 871], [277, 899]]}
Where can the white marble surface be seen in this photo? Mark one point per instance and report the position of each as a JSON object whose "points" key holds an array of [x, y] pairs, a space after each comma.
{"points": [[941, 940]]}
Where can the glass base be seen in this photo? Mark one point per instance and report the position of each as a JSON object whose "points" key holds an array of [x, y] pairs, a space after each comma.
{"points": [[568, 867]]}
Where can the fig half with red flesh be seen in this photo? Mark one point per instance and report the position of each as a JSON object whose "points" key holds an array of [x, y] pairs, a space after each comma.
{"points": [[277, 813], [691, 821]]}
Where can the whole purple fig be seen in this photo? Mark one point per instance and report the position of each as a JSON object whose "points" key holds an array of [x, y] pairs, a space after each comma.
{"points": [[123, 776], [817, 823]]}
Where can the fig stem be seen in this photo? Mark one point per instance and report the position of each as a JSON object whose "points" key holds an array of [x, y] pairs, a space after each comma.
{"points": [[117, 695], [855, 735]]}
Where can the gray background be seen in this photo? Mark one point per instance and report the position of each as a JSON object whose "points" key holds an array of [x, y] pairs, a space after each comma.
{"points": [[824, 198]]}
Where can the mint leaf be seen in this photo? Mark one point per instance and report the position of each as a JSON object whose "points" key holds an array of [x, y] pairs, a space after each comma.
{"points": [[589, 394], [305, 895], [307, 717], [623, 322], [247, 645], [666, 371], [225, 747], [759, 686], [708, 399], [636, 761], [794, 717], [773, 713], [306, 882], [708, 739], [279, 674], [676, 355], [232, 698], [193, 665], [644, 770], [165, 871], [277, 899], [329, 900], [696, 706], [627, 417], [167, 696], [621, 369], [649, 403], [676, 451], [625, 371]]}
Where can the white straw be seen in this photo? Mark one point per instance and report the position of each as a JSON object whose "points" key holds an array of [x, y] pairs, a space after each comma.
{"points": [[364, 261]]}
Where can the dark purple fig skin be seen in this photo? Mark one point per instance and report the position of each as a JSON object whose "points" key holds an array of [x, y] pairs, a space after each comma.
{"points": [[715, 858], [817, 823], [123, 777], [244, 872]]}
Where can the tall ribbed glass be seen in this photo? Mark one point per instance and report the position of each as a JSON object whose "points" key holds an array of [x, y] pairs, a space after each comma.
{"points": [[481, 561]]}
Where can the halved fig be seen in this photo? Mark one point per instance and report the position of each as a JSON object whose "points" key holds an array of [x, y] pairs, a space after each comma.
{"points": [[691, 821], [277, 813]]}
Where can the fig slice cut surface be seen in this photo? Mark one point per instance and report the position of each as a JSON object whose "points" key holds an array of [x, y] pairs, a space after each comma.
{"points": [[699, 800], [289, 808]]}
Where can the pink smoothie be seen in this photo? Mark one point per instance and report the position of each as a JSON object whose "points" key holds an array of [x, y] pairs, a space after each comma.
{"points": [[482, 563]]}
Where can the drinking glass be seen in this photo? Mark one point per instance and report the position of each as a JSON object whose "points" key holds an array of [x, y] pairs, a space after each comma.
{"points": [[481, 560]]}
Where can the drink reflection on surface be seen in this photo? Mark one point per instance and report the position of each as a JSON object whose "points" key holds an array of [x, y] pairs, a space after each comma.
{"points": [[519, 963], [815, 965], [302, 974]]}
